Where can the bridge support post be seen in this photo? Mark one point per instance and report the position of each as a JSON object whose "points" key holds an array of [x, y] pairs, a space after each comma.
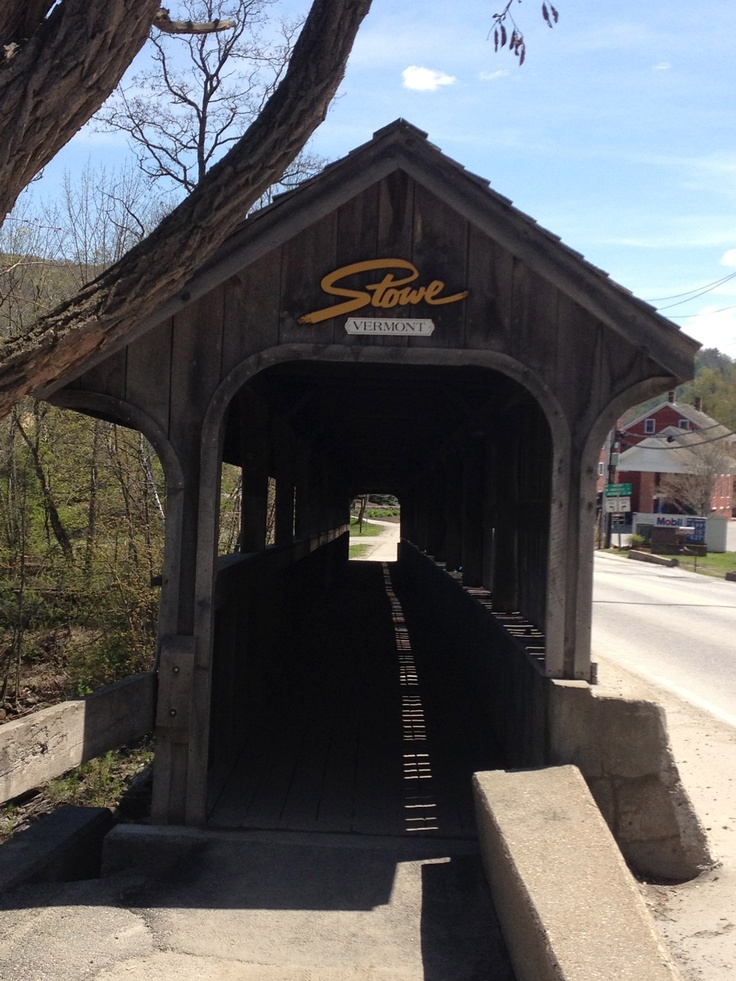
{"points": [[473, 531]]}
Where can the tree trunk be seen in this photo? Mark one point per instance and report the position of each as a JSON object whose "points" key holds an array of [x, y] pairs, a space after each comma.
{"points": [[57, 526], [89, 546], [107, 309], [59, 76]]}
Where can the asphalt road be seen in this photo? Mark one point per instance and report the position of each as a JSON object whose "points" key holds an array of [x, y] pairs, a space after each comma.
{"points": [[673, 627]]}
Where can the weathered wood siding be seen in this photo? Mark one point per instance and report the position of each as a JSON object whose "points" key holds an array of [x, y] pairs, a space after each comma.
{"points": [[511, 310]]}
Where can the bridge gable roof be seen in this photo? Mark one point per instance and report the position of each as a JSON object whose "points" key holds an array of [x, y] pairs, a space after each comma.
{"points": [[531, 297]]}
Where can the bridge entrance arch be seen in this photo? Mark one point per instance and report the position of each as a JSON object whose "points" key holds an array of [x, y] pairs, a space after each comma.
{"points": [[391, 324]]}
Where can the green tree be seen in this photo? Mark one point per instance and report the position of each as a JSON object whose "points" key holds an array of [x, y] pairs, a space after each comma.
{"points": [[715, 384]]}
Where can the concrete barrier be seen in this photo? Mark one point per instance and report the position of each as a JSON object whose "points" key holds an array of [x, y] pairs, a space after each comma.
{"points": [[568, 905], [622, 748], [653, 559]]}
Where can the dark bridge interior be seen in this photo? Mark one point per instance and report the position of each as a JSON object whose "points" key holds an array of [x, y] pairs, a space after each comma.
{"points": [[361, 697], [381, 425], [365, 727]]}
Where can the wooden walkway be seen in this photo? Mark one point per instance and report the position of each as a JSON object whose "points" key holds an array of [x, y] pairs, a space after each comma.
{"points": [[367, 731]]}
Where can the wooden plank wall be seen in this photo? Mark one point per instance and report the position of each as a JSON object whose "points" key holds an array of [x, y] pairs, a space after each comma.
{"points": [[259, 601], [497, 670], [535, 494], [173, 370]]}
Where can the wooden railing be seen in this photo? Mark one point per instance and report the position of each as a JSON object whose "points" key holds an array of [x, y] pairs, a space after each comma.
{"points": [[500, 655], [38, 747], [258, 599]]}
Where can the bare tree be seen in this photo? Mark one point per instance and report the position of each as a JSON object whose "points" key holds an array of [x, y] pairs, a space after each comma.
{"points": [[159, 267], [56, 72], [704, 462], [49, 249], [60, 63], [101, 215], [31, 280], [200, 92]]}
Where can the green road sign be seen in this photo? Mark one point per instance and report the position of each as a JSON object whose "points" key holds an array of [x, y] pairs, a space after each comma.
{"points": [[618, 490]]}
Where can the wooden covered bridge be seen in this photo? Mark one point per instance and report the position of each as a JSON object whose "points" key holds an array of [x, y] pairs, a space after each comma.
{"points": [[394, 326]]}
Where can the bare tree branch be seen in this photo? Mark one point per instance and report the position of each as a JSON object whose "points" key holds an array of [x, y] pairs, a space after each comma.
{"points": [[158, 267], [198, 96], [693, 487], [163, 22], [62, 68]]}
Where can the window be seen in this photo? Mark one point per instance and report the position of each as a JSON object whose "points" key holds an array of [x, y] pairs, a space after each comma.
{"points": [[649, 426], [601, 469], [683, 423]]}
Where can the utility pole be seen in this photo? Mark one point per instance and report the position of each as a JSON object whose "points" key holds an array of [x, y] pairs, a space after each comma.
{"points": [[614, 444]]}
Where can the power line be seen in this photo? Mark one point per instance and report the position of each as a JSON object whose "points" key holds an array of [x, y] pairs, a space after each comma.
{"points": [[694, 293], [681, 446], [706, 313]]}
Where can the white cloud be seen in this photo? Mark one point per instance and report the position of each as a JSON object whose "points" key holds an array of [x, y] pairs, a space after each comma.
{"points": [[663, 66], [729, 258], [714, 327], [491, 76], [425, 79]]}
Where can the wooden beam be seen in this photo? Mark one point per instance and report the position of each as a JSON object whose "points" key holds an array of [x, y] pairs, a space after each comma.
{"points": [[173, 729], [41, 746]]}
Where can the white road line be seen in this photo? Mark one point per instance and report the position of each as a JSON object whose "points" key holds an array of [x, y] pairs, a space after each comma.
{"points": [[695, 700]]}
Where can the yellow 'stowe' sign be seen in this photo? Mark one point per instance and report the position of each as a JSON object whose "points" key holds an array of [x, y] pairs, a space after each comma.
{"points": [[386, 293]]}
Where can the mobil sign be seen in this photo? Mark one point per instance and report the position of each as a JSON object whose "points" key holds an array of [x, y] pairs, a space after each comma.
{"points": [[696, 536]]}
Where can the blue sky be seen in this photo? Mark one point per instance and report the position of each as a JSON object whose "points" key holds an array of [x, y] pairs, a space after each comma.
{"points": [[617, 134]]}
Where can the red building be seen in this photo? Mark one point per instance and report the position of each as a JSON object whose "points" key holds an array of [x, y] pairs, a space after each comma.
{"points": [[671, 426]]}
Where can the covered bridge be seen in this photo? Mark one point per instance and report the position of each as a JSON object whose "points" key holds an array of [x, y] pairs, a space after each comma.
{"points": [[393, 325]]}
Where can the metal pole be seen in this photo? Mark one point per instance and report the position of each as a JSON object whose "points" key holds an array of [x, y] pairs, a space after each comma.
{"points": [[613, 444]]}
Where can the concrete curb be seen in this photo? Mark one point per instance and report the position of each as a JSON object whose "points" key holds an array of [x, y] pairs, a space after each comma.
{"points": [[653, 559], [60, 847], [568, 905]]}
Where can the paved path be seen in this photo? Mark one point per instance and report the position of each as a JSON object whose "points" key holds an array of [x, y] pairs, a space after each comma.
{"points": [[381, 548], [264, 908], [677, 627]]}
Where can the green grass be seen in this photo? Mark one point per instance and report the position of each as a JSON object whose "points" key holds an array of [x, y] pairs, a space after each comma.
{"points": [[357, 551], [714, 564], [101, 782], [369, 530]]}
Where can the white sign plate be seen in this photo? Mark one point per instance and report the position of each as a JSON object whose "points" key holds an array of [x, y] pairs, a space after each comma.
{"points": [[618, 505], [406, 328]]}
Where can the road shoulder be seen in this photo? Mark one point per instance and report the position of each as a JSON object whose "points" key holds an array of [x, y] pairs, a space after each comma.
{"points": [[696, 919]]}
